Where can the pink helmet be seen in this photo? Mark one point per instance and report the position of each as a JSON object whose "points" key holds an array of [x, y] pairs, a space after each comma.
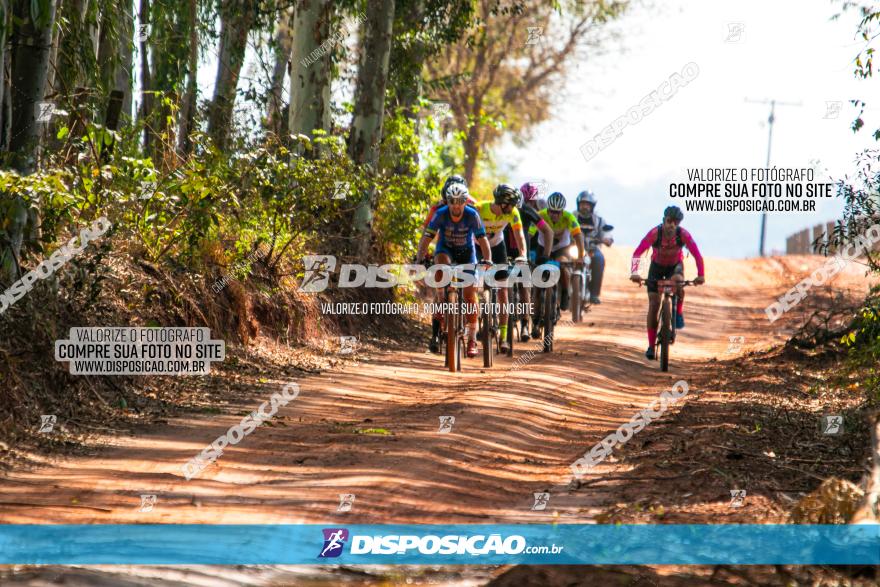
{"points": [[529, 191]]}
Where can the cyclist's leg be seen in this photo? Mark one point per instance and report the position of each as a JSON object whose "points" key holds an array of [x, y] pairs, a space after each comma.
{"points": [[597, 271], [499, 255], [565, 275], [655, 272], [678, 275], [441, 257]]}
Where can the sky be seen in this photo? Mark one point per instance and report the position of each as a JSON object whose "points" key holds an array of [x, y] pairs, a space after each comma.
{"points": [[788, 50]]}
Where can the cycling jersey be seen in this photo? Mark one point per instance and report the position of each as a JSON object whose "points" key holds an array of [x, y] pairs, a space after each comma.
{"points": [[457, 238], [529, 217], [668, 253], [563, 229], [495, 223]]}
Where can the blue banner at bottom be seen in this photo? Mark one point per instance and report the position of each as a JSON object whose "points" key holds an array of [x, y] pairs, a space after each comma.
{"points": [[461, 544]]}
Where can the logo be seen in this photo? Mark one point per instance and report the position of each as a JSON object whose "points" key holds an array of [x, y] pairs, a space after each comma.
{"points": [[346, 500], [45, 110], [147, 502], [446, 423], [317, 276], [340, 190], [347, 345], [832, 425], [143, 32], [541, 501], [736, 343], [832, 109], [535, 33], [737, 497], [318, 268], [440, 109], [334, 541], [47, 423], [735, 32]]}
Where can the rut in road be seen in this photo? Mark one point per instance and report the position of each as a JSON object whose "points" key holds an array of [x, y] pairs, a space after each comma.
{"points": [[371, 429]]}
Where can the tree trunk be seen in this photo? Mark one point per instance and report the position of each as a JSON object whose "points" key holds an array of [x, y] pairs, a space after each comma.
{"points": [[274, 114], [236, 20], [31, 43], [146, 78], [471, 152], [188, 110], [4, 23], [369, 107], [115, 54], [310, 68], [124, 77]]}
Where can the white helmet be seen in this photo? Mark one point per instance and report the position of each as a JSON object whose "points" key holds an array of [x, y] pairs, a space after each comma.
{"points": [[457, 191]]}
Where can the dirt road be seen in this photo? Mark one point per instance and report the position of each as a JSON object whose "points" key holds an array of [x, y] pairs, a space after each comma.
{"points": [[371, 428]]}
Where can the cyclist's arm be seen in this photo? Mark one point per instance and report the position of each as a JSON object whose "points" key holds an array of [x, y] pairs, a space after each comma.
{"points": [[426, 239], [604, 235], [516, 228], [640, 250], [574, 229], [691, 245], [483, 243], [547, 234]]}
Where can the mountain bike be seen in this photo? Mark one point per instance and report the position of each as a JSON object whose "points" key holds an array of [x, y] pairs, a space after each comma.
{"points": [[547, 310], [490, 318], [452, 323], [666, 322]]}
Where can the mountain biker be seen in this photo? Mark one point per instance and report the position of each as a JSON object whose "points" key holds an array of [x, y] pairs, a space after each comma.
{"points": [[593, 229], [458, 228], [565, 227], [667, 240], [528, 213], [496, 216], [452, 180]]}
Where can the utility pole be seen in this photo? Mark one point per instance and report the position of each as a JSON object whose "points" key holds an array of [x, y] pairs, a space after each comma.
{"points": [[770, 122]]}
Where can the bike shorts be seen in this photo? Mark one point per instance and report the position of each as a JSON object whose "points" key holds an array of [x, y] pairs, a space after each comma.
{"points": [[555, 255], [658, 271], [457, 256], [499, 255]]}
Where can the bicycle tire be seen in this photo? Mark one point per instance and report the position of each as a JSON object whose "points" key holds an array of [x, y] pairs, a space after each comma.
{"points": [[549, 317], [451, 334], [665, 332], [576, 298], [512, 319], [487, 339]]}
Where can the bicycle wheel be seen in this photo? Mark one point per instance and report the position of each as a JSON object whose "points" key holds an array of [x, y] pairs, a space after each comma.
{"points": [[451, 333], [576, 283], [665, 333], [487, 336], [512, 319], [549, 309]]}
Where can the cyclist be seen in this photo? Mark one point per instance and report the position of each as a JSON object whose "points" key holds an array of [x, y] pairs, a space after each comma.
{"points": [[496, 216], [452, 180], [565, 227], [667, 241], [458, 228], [593, 229], [528, 213]]}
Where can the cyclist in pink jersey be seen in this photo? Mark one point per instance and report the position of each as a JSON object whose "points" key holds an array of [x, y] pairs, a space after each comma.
{"points": [[668, 240]]}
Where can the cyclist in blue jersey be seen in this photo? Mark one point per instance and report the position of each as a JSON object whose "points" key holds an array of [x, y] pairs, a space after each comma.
{"points": [[460, 229]]}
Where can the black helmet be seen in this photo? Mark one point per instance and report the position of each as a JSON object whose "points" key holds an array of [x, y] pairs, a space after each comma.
{"points": [[506, 194], [452, 180], [673, 212]]}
